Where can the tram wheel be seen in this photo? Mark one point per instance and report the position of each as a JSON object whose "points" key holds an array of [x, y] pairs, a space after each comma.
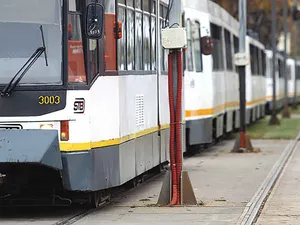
{"points": [[94, 199]]}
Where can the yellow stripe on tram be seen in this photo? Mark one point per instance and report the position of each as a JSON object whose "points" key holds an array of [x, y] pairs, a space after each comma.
{"points": [[72, 147]]}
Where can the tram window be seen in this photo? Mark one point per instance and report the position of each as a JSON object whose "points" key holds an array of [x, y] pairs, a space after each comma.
{"points": [[256, 60], [228, 46], [153, 35], [139, 42], [146, 6], [197, 47], [236, 48], [153, 43], [253, 60], [165, 11], [280, 68], [259, 61], [129, 3], [263, 63], [298, 73], [146, 42], [217, 54], [122, 48], [138, 4], [130, 39], [110, 58], [94, 57], [137, 47], [162, 50], [76, 62], [153, 7], [189, 58], [93, 53], [163, 21]]}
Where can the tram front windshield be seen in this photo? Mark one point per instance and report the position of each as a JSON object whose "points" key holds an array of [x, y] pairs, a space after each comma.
{"points": [[20, 36]]}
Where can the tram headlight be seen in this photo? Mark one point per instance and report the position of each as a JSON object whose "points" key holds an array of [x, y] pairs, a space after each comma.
{"points": [[46, 126]]}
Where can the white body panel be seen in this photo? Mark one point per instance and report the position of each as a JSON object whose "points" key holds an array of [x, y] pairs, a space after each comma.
{"points": [[269, 78], [255, 82], [291, 77]]}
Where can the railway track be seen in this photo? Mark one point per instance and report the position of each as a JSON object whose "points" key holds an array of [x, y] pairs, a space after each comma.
{"points": [[255, 206], [73, 219], [118, 191]]}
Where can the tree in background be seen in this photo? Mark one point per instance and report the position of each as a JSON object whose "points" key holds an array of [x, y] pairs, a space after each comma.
{"points": [[259, 18]]}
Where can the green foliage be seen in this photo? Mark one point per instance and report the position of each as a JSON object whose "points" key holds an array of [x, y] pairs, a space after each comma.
{"points": [[287, 129]]}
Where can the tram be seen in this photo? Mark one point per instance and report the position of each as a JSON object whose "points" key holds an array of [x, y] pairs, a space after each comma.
{"points": [[212, 81], [88, 111]]}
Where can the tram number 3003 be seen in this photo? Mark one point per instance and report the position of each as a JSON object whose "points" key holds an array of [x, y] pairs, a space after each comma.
{"points": [[49, 100]]}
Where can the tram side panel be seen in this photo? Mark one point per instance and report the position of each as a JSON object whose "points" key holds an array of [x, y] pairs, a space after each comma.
{"points": [[249, 94], [291, 79], [255, 74], [139, 126], [164, 117], [231, 75], [269, 81], [218, 77], [263, 84], [281, 84], [297, 74], [298, 90], [260, 89], [236, 118]]}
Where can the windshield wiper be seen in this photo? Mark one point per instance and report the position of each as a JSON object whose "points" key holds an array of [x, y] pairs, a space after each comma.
{"points": [[43, 40], [37, 53]]}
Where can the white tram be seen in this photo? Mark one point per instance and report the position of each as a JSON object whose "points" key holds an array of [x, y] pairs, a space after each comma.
{"points": [[211, 81], [255, 80], [97, 115], [279, 81], [297, 80], [293, 70]]}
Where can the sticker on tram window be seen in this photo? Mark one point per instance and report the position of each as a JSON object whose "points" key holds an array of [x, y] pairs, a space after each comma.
{"points": [[49, 100], [79, 105]]}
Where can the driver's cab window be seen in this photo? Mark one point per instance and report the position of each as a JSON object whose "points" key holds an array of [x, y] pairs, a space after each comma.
{"points": [[76, 64]]}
